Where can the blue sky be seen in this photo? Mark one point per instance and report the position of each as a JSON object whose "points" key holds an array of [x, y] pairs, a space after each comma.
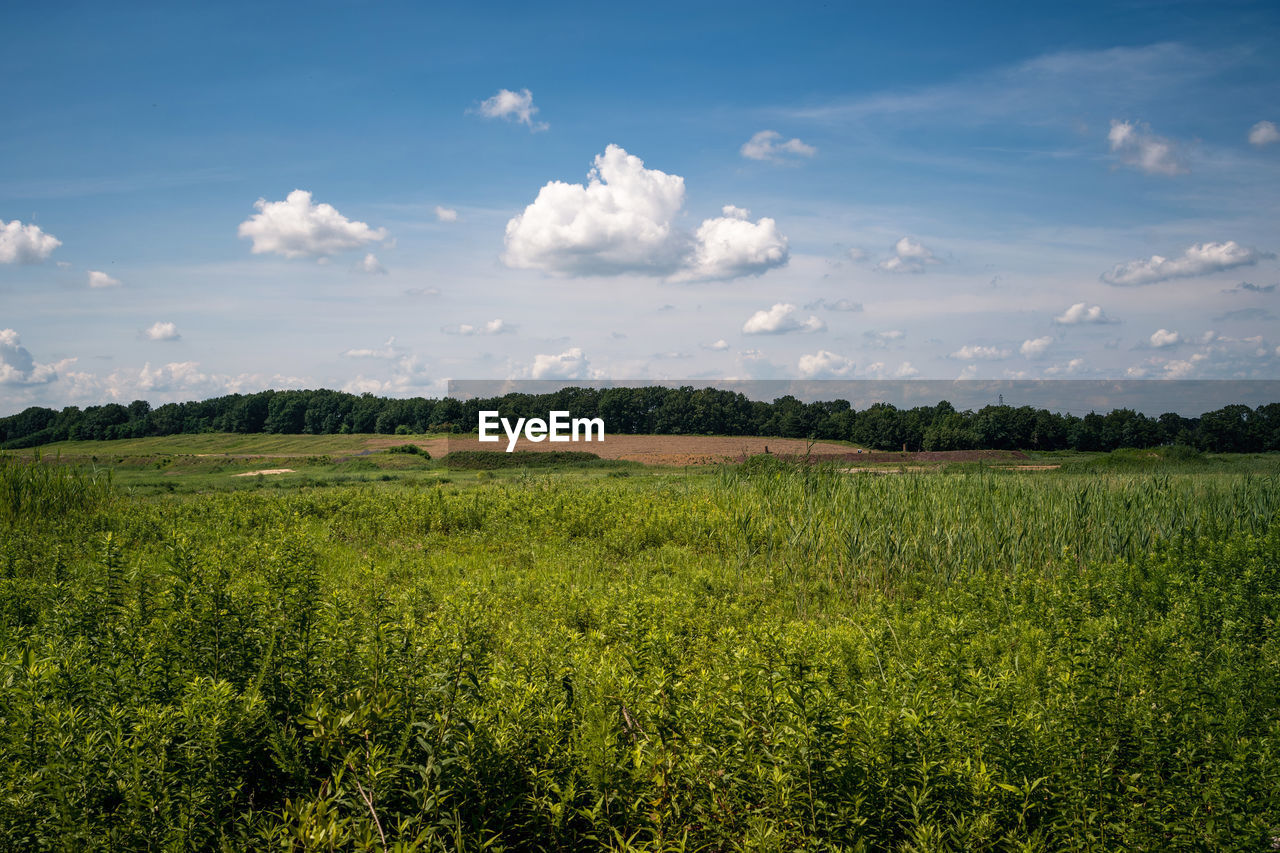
{"points": [[581, 191]]}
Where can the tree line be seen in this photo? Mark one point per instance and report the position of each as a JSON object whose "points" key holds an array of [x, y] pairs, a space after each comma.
{"points": [[662, 411]]}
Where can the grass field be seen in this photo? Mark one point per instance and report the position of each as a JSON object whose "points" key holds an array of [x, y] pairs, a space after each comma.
{"points": [[768, 656]]}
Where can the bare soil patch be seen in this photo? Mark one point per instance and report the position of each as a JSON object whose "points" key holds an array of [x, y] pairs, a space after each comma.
{"points": [[265, 471], [669, 450]]}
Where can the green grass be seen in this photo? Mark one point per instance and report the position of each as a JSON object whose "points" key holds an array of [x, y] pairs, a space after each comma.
{"points": [[222, 443], [766, 657]]}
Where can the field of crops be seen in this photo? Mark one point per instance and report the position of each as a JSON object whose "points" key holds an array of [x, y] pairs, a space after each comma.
{"points": [[770, 656]]}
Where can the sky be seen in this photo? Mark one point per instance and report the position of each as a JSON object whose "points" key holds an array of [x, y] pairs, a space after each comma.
{"points": [[380, 197]]}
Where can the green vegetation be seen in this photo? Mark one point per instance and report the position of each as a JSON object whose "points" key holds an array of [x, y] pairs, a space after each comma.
{"points": [[768, 657], [409, 448], [491, 460], [656, 410]]}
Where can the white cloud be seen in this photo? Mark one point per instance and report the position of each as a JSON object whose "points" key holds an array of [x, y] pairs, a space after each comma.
{"points": [[1181, 369], [171, 377], [446, 214], [619, 222], [410, 375], [513, 106], [1137, 146], [1035, 347], [388, 351], [765, 145], [97, 278], [971, 352], [857, 254], [1073, 366], [622, 221], [296, 228], [879, 370], [838, 305], [493, 327], [909, 256], [1082, 313], [881, 340], [17, 367], [780, 319], [1164, 338], [1200, 259], [719, 346], [731, 246], [25, 244], [570, 364], [371, 265], [1264, 133], [163, 332], [825, 365]]}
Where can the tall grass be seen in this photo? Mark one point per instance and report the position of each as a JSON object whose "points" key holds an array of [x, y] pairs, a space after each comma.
{"points": [[35, 488], [783, 658]]}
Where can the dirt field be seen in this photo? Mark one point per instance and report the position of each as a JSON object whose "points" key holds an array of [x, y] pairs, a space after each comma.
{"points": [[651, 449], [679, 450]]}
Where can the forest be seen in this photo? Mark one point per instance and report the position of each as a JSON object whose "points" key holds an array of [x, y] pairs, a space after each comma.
{"points": [[661, 411]]}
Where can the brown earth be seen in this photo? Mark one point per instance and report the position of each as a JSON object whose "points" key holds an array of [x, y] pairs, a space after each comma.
{"points": [[671, 450], [679, 450], [674, 450]]}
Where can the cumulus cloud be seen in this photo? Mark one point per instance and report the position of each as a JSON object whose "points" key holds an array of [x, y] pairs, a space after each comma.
{"points": [[410, 375], [779, 320], [446, 214], [296, 227], [371, 265], [1138, 147], [767, 145], [908, 256], [1164, 338], [623, 221], [971, 352], [1072, 367], [163, 332], [387, 351], [1182, 368], [880, 370], [881, 340], [1035, 347], [1082, 313], [570, 364], [493, 327], [838, 305], [825, 365], [513, 106], [171, 376], [1264, 133], [97, 278], [17, 367], [1200, 259], [732, 246], [719, 346], [25, 244]]}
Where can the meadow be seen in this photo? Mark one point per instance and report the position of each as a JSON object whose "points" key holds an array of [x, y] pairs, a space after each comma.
{"points": [[399, 655]]}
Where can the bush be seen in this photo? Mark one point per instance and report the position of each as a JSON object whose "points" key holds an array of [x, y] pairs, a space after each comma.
{"points": [[409, 448], [488, 460]]}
